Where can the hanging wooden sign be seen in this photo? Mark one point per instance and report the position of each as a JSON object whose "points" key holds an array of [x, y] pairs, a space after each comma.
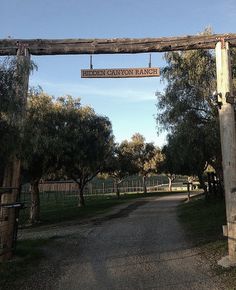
{"points": [[121, 73]]}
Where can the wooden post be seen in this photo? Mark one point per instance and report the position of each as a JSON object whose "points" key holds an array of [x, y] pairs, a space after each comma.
{"points": [[12, 170], [228, 146]]}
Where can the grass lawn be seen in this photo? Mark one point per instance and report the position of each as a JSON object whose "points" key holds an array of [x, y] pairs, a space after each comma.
{"points": [[202, 221], [59, 209]]}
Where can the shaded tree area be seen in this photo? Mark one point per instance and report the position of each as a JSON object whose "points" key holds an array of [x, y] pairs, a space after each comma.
{"points": [[11, 112], [121, 165], [55, 138], [186, 153], [187, 111], [9, 106], [62, 139]]}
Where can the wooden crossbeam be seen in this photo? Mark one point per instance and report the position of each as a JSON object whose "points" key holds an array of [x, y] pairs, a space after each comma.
{"points": [[113, 46]]}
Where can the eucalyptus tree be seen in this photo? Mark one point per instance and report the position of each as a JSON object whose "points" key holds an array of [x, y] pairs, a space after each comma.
{"points": [[40, 145], [182, 156], [146, 157], [87, 144], [9, 106], [186, 108], [11, 112], [121, 165]]}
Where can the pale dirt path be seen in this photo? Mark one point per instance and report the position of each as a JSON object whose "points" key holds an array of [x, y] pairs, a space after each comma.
{"points": [[143, 247]]}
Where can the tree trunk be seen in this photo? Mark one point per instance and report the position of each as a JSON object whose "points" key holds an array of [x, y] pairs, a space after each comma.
{"points": [[117, 185], [214, 185], [202, 184], [188, 189], [81, 196], [144, 184], [209, 180], [219, 174], [170, 183], [35, 202]]}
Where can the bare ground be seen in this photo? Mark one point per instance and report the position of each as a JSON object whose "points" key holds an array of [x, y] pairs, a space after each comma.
{"points": [[138, 246]]}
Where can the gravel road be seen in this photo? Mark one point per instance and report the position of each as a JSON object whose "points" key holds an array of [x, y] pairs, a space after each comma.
{"points": [[140, 247]]}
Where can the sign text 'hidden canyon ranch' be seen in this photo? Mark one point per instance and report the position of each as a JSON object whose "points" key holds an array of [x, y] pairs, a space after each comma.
{"points": [[121, 73]]}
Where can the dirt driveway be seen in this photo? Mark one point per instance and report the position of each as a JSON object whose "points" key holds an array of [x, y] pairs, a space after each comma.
{"points": [[140, 246]]}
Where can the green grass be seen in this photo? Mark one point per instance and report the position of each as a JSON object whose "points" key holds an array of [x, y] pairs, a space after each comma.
{"points": [[27, 256], [202, 221], [59, 209], [62, 210]]}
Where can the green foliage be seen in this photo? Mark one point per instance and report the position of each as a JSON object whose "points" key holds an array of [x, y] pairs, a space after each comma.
{"points": [[8, 106], [86, 142], [186, 111], [40, 136], [121, 164], [7, 84], [146, 156], [190, 78], [187, 151], [11, 108], [63, 139]]}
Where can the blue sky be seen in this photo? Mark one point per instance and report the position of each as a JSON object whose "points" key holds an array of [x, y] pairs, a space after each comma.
{"points": [[129, 103]]}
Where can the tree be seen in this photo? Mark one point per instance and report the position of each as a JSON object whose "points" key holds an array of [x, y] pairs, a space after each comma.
{"points": [[87, 144], [146, 157], [9, 106], [40, 145], [13, 71], [186, 153], [121, 165], [168, 164], [13, 94], [187, 111]]}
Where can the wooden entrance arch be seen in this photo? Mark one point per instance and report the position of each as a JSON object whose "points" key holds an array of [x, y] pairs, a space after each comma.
{"points": [[222, 43]]}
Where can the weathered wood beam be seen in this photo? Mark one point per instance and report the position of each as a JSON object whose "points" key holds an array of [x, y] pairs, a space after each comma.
{"points": [[228, 145], [113, 46]]}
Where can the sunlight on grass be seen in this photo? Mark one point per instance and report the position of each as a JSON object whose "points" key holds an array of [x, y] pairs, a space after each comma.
{"points": [[202, 221]]}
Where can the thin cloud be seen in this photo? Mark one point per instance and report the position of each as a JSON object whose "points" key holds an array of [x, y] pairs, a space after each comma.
{"points": [[128, 95]]}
